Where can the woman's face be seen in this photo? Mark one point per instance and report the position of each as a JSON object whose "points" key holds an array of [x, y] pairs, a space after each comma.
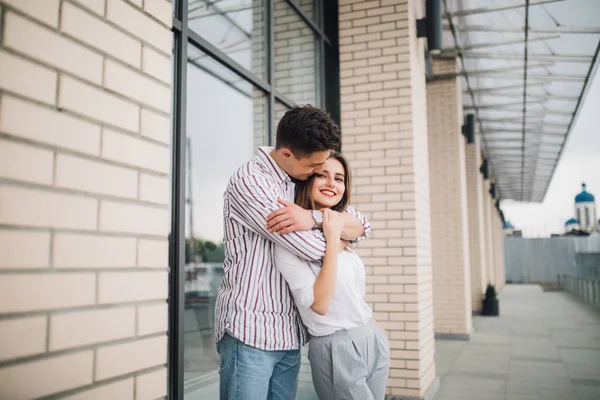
{"points": [[328, 185]]}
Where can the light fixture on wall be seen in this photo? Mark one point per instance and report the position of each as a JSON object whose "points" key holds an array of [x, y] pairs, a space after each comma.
{"points": [[468, 129], [485, 169], [493, 190], [431, 26]]}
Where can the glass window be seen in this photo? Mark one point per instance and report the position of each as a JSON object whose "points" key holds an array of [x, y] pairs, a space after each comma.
{"points": [[226, 122], [236, 27], [227, 119], [278, 112], [309, 7], [296, 54]]}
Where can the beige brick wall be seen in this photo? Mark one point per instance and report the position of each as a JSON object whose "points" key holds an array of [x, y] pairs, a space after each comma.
{"points": [[499, 251], [449, 216], [85, 88], [487, 224], [477, 248], [384, 125]]}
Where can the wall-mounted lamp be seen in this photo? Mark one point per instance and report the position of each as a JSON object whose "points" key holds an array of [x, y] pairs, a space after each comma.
{"points": [[485, 169], [431, 27], [493, 190], [468, 129]]}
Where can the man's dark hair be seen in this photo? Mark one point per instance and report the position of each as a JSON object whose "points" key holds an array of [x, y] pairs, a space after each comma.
{"points": [[306, 129]]}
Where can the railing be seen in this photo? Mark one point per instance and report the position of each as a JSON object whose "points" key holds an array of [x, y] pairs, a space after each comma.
{"points": [[585, 289]]}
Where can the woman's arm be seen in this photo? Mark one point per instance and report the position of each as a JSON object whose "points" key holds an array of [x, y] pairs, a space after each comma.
{"points": [[325, 282]]}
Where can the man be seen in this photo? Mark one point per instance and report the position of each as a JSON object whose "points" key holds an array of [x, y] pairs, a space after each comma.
{"points": [[258, 330]]}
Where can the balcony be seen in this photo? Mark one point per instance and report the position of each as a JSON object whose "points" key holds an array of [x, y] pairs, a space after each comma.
{"points": [[544, 346]]}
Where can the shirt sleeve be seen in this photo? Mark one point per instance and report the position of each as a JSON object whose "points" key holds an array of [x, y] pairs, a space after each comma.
{"points": [[298, 274], [363, 220], [253, 199]]}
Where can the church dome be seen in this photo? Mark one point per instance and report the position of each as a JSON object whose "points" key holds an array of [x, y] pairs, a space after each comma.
{"points": [[571, 222], [584, 196]]}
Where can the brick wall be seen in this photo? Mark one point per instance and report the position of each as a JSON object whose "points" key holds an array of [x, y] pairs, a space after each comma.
{"points": [[85, 89], [384, 125], [449, 216], [499, 252], [477, 248], [489, 241]]}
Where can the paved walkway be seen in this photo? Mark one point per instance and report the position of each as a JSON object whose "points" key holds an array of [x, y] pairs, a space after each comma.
{"points": [[544, 346]]}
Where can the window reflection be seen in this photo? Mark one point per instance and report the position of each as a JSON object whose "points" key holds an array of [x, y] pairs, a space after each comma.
{"points": [[226, 122], [236, 27], [296, 54], [309, 7]]}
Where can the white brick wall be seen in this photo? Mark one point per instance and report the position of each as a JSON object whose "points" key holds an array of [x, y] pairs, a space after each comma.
{"points": [[384, 136], [449, 216], [85, 97]]}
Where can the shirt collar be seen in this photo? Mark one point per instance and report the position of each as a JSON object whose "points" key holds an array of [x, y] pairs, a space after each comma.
{"points": [[270, 165]]}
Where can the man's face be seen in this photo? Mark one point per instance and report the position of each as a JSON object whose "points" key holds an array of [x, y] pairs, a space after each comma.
{"points": [[303, 168]]}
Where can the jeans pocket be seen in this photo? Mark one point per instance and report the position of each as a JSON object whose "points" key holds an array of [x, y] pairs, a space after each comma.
{"points": [[226, 348]]}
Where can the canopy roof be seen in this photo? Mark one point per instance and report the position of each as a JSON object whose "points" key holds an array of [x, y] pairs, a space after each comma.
{"points": [[525, 66]]}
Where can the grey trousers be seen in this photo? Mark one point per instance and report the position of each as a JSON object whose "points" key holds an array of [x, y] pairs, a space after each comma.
{"points": [[350, 364]]}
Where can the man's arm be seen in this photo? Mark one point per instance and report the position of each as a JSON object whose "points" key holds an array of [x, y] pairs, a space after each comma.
{"points": [[356, 227], [253, 199], [293, 218]]}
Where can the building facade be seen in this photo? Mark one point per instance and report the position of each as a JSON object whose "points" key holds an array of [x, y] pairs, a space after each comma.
{"points": [[120, 124]]}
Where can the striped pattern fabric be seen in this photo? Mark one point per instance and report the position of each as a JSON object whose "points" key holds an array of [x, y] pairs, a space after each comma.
{"points": [[254, 303]]}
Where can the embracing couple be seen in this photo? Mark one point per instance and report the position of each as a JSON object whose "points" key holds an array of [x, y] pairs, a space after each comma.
{"points": [[290, 275]]}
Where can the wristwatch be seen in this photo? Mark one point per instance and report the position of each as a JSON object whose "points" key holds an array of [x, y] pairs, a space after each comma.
{"points": [[318, 217]]}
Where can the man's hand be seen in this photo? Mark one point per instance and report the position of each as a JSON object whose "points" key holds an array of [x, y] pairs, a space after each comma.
{"points": [[290, 218]]}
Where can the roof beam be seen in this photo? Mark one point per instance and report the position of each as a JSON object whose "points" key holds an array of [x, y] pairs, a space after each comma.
{"points": [[230, 20], [545, 112], [531, 118], [437, 77], [528, 131], [512, 139], [495, 8], [501, 88], [537, 57], [529, 124], [502, 105], [535, 29], [536, 97], [501, 43], [539, 160], [549, 77], [207, 13]]}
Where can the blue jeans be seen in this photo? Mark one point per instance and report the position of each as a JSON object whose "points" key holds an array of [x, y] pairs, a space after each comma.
{"points": [[248, 373]]}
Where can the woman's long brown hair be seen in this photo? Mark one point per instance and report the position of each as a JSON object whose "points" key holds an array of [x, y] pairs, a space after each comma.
{"points": [[304, 190]]}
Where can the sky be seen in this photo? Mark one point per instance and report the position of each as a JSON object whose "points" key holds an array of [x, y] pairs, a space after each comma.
{"points": [[580, 162]]}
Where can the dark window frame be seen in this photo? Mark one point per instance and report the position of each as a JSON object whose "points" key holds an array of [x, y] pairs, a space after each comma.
{"points": [[326, 23]]}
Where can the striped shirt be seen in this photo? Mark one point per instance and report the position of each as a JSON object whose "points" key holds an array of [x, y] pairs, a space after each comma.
{"points": [[254, 303]]}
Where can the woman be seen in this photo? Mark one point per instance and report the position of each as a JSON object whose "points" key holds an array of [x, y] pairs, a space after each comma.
{"points": [[349, 354]]}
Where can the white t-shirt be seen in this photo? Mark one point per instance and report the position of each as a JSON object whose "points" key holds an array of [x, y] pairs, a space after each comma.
{"points": [[347, 309]]}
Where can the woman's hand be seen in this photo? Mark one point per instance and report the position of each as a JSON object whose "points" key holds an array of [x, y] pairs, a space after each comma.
{"points": [[333, 224]]}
